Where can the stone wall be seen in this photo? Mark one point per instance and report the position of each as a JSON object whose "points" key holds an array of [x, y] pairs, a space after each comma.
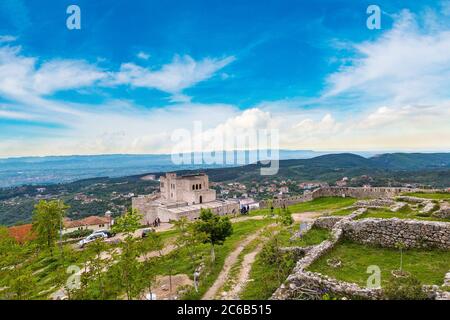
{"points": [[389, 232], [384, 232], [358, 193]]}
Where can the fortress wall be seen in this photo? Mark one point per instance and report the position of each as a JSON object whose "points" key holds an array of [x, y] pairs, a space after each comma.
{"points": [[358, 193], [389, 232], [146, 207]]}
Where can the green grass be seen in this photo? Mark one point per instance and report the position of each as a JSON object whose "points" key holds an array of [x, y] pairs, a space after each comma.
{"points": [[322, 204], [182, 264], [402, 214], [343, 212], [236, 268], [429, 266], [431, 195], [312, 237], [264, 276]]}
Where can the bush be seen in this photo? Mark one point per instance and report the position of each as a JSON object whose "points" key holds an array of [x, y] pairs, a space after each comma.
{"points": [[77, 234], [404, 288]]}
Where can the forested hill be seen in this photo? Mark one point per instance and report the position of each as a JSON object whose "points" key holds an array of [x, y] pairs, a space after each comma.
{"points": [[96, 196], [428, 169]]}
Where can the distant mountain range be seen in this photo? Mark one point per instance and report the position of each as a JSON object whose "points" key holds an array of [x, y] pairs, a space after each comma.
{"points": [[60, 169], [386, 169]]}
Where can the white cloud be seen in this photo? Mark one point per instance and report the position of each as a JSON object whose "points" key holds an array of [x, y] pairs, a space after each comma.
{"points": [[7, 38], [182, 73], [142, 55], [406, 64], [59, 75], [21, 79]]}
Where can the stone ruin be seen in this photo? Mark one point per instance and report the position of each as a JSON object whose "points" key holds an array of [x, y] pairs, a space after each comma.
{"points": [[382, 232]]}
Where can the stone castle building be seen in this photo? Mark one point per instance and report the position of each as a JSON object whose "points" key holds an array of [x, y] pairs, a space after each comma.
{"points": [[182, 196]]}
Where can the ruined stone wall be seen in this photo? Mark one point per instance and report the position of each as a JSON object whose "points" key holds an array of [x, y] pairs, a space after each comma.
{"points": [[384, 232], [358, 193], [389, 232]]}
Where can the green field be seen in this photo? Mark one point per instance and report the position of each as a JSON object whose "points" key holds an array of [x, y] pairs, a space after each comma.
{"points": [[402, 214], [343, 212], [433, 195], [312, 237], [429, 266], [264, 280], [322, 204]]}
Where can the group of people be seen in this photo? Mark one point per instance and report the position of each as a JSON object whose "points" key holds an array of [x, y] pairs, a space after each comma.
{"points": [[157, 222], [245, 210]]}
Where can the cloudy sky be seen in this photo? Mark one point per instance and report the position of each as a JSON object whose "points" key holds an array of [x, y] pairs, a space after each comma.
{"points": [[138, 71]]}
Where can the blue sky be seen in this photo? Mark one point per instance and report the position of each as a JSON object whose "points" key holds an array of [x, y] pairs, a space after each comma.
{"points": [[139, 70]]}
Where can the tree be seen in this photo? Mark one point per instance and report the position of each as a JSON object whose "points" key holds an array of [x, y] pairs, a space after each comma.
{"points": [[128, 223], [20, 281], [151, 243], [285, 217], [47, 221], [128, 271], [216, 228], [400, 246], [190, 238]]}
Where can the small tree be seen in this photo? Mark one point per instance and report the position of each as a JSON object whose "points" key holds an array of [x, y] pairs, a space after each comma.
{"points": [[47, 221], [20, 281], [285, 217], [190, 238], [128, 267], [216, 228], [152, 242], [400, 246], [128, 223]]}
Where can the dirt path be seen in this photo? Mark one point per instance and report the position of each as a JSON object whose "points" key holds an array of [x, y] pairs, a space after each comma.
{"points": [[247, 262], [306, 216], [244, 274], [166, 250], [228, 264]]}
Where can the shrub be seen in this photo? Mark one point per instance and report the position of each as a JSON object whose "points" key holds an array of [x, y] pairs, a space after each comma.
{"points": [[77, 234], [404, 288]]}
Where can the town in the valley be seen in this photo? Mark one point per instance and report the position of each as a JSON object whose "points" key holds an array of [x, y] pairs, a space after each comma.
{"points": [[192, 238]]}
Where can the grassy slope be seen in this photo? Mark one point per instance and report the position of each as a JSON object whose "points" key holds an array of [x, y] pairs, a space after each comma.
{"points": [[264, 282], [429, 266], [322, 204], [387, 214], [182, 263], [434, 195]]}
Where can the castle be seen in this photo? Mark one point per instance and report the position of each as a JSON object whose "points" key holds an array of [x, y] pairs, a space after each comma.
{"points": [[182, 196]]}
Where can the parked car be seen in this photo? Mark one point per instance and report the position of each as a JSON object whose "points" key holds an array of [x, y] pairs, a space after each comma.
{"points": [[145, 232], [109, 233], [92, 238]]}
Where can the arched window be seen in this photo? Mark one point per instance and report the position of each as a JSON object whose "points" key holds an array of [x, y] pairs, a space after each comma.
{"points": [[201, 199], [193, 187]]}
